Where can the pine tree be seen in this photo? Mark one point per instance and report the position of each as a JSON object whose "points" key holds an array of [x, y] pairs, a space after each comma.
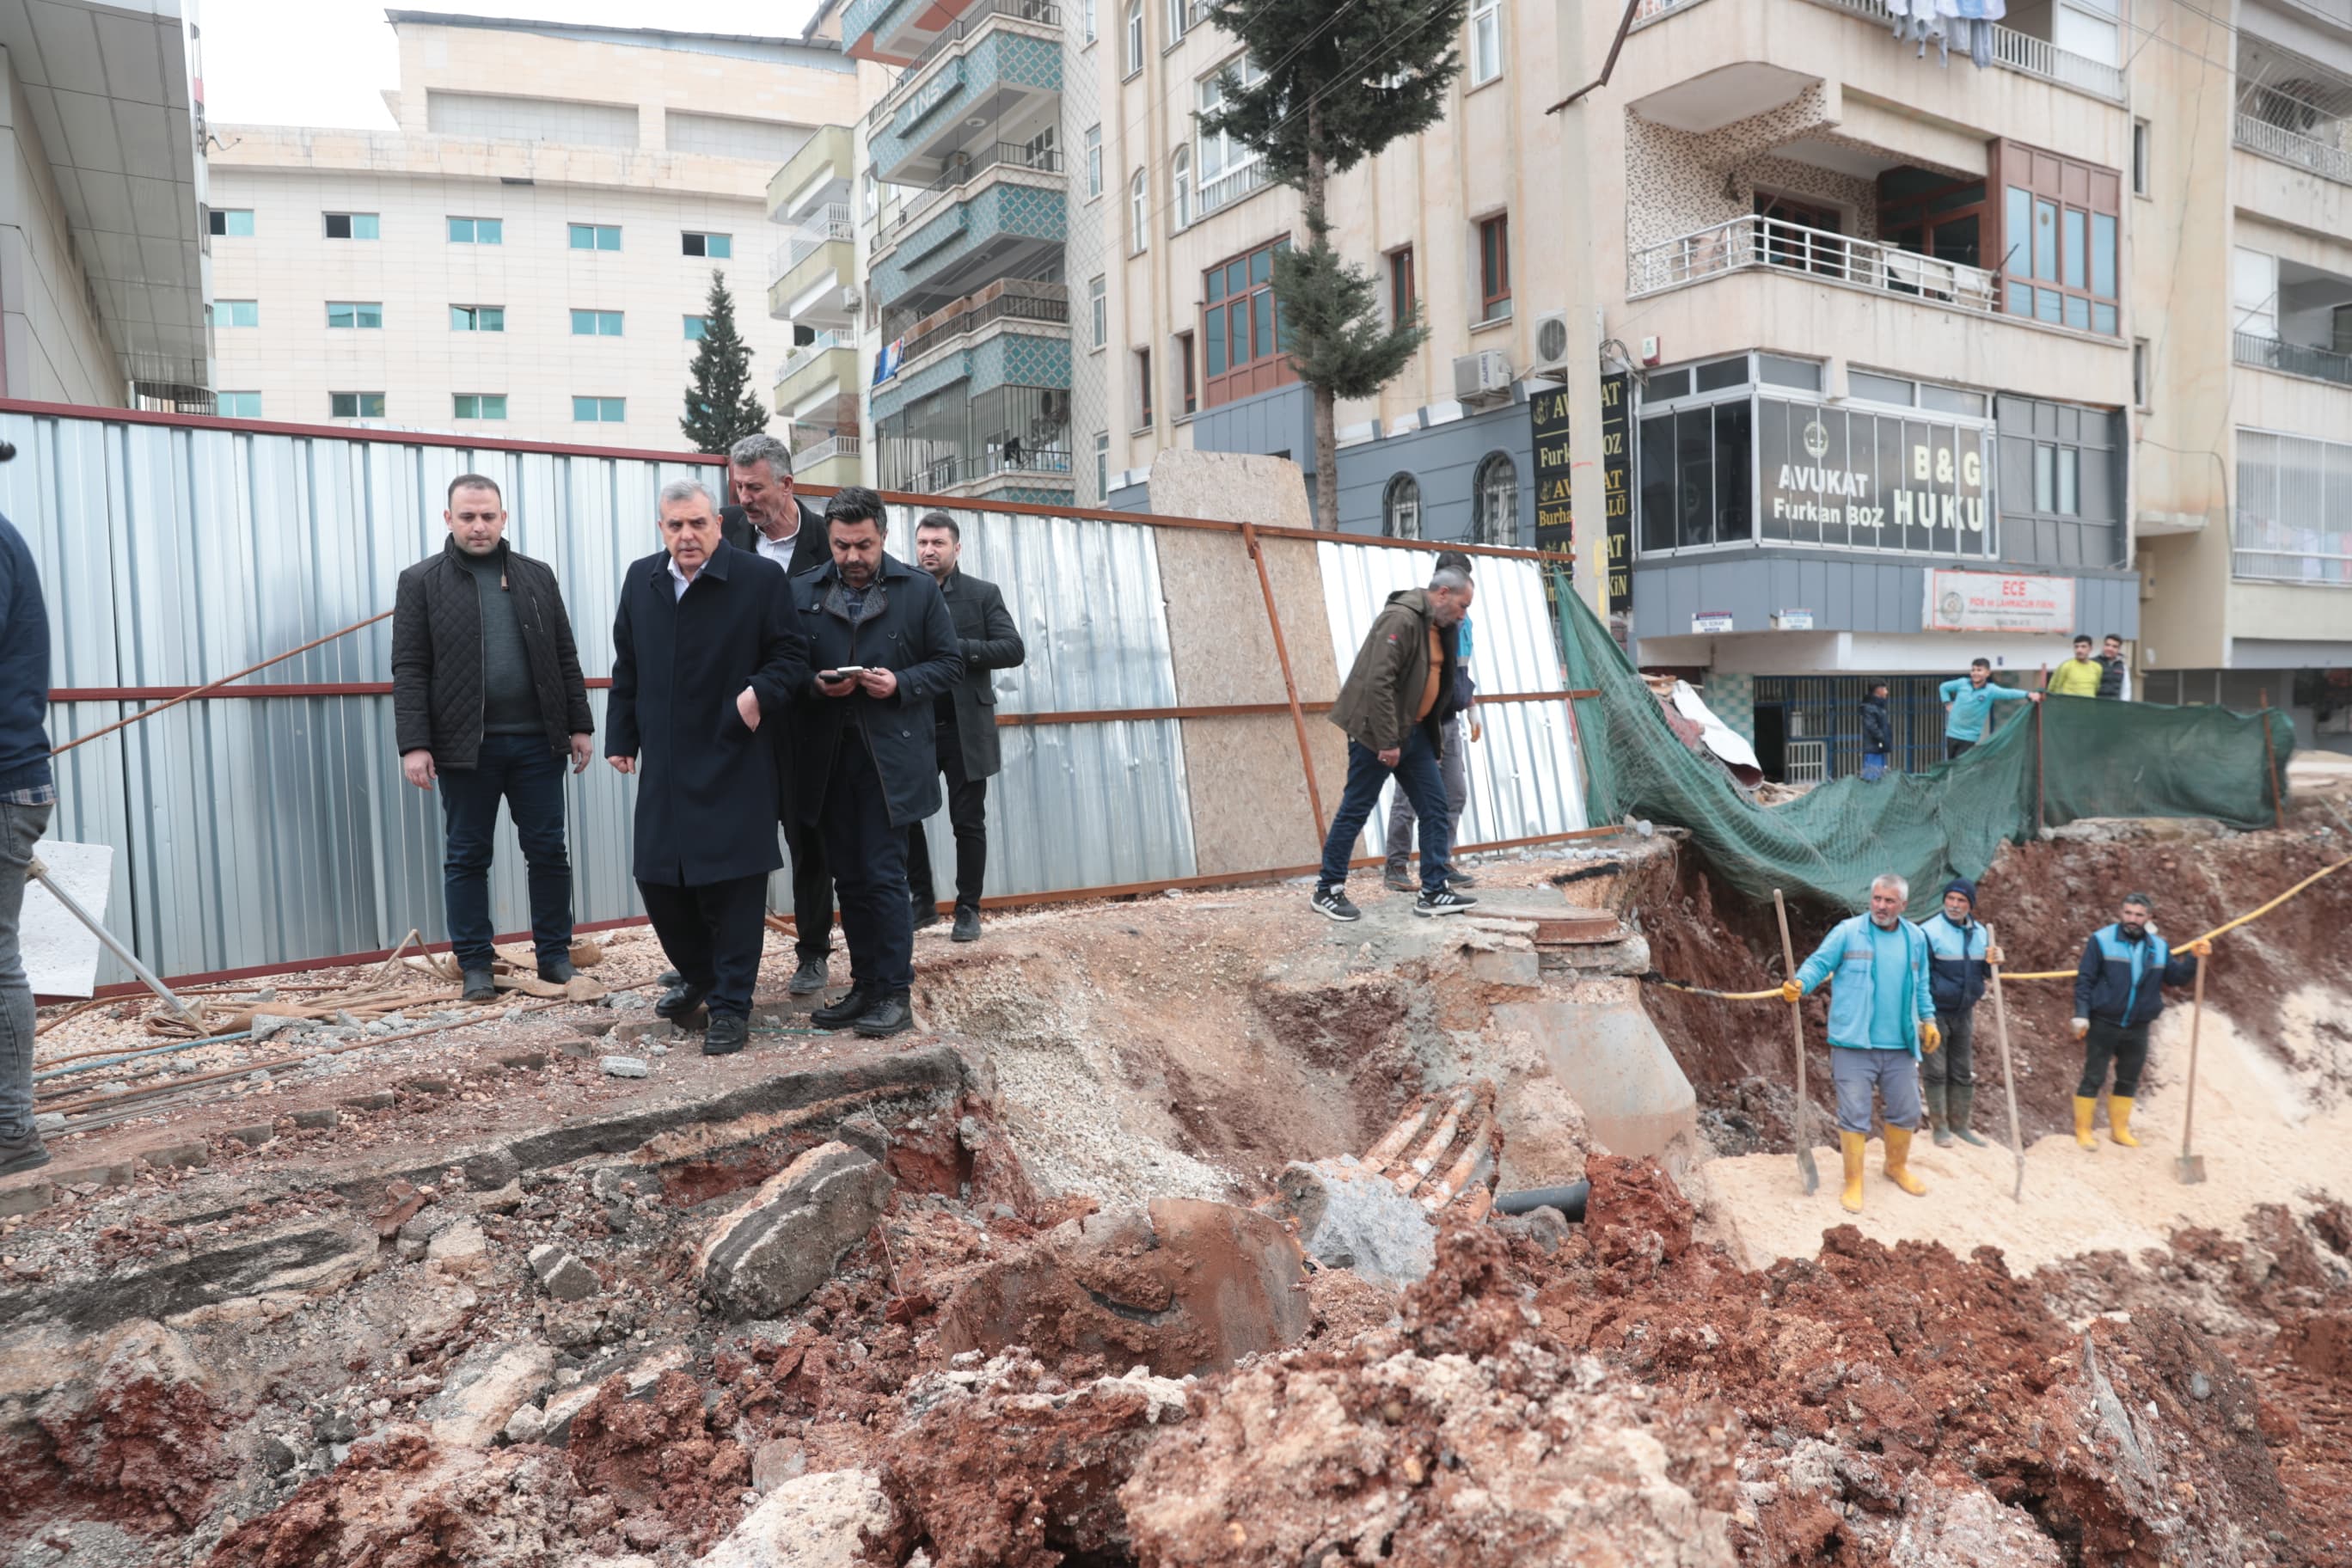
{"points": [[720, 407], [1343, 81]]}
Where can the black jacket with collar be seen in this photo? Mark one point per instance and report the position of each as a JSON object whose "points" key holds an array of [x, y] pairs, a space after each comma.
{"points": [[437, 656], [988, 640], [809, 548], [905, 629], [707, 785]]}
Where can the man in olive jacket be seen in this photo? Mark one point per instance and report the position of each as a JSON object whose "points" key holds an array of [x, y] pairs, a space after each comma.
{"points": [[487, 698], [1394, 719]]}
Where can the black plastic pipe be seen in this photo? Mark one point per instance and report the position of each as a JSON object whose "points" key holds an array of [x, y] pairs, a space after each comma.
{"points": [[1568, 1200]]}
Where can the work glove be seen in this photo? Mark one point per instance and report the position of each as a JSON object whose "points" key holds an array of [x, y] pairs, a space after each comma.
{"points": [[2082, 1027], [1792, 991], [1931, 1038], [2201, 948]]}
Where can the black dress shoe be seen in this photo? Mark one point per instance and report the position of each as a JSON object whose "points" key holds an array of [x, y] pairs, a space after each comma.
{"points": [[725, 1036], [667, 978], [848, 1010], [926, 915], [480, 986], [680, 1001], [967, 926], [557, 971], [809, 978], [890, 1014]]}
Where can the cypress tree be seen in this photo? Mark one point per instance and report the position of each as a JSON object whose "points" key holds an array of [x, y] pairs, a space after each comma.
{"points": [[720, 407], [1343, 81]]}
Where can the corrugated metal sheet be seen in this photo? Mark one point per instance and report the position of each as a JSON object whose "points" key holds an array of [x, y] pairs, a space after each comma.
{"points": [[1524, 779]]}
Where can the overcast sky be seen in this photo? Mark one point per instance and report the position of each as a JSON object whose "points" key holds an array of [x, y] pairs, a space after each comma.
{"points": [[327, 62]]}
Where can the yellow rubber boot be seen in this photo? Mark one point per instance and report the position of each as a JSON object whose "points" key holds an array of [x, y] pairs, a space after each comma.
{"points": [[2083, 1108], [1898, 1162], [2119, 1110], [1851, 1143]]}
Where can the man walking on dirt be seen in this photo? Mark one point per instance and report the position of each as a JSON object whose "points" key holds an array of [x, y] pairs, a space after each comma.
{"points": [[2118, 991], [1967, 703], [1882, 1015], [1960, 956], [1392, 709]]}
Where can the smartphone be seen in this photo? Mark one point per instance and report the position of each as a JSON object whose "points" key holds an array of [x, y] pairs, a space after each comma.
{"points": [[835, 677]]}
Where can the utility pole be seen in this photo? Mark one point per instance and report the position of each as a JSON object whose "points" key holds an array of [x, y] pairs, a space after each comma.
{"points": [[1578, 65]]}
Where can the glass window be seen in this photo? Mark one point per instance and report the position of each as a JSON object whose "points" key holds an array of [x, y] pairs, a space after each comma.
{"points": [[1485, 40], [481, 405], [1401, 285], [1139, 209], [2139, 157], [2074, 256], [1134, 36], [697, 327], [354, 315], [236, 312], [1722, 373], [1665, 383], [1495, 268], [2070, 493], [595, 323], [717, 247], [1192, 373], [1221, 154], [1657, 482], [1694, 477], [1176, 9], [2018, 223], [1094, 160], [2045, 479], [478, 231], [1877, 388], [1777, 371], [233, 223], [1213, 335], [355, 406], [1086, 19], [1102, 463], [237, 405], [1181, 180], [477, 318], [596, 237], [1733, 422], [2045, 240], [1495, 500], [1952, 400], [600, 410], [1401, 508], [351, 225], [1098, 305], [2102, 254]]}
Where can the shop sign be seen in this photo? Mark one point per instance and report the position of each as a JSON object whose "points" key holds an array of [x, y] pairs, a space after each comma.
{"points": [[1617, 486], [1707, 622], [1999, 602], [1858, 481], [1793, 621]]}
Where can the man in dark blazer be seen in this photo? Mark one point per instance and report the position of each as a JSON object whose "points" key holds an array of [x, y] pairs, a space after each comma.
{"points": [[964, 727], [865, 768], [769, 519], [705, 651]]}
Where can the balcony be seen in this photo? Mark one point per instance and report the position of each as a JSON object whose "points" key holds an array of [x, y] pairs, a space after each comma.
{"points": [[2263, 353], [1012, 299], [1766, 242], [2328, 159], [813, 276], [1004, 84], [816, 175], [970, 25], [2020, 52], [1231, 185], [826, 369], [2294, 109], [830, 458], [1003, 219], [1010, 437], [833, 223]]}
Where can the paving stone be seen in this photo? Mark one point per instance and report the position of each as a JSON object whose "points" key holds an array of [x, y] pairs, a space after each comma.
{"points": [[426, 1085], [625, 1066], [522, 1060], [324, 1116], [641, 1029], [110, 1175], [254, 1136], [179, 1156], [28, 1198], [374, 1100]]}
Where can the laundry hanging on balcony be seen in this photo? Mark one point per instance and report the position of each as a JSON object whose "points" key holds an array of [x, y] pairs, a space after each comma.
{"points": [[1966, 24]]}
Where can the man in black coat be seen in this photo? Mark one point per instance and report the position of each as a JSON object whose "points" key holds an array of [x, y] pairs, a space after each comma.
{"points": [[692, 683], [964, 724], [866, 769], [487, 698], [769, 519]]}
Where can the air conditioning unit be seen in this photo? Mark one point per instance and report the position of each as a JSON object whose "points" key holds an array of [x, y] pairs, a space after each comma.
{"points": [[1551, 341], [852, 296], [1487, 374]]}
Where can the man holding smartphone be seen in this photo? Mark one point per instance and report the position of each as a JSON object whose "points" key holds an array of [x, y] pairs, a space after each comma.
{"points": [[883, 651]]}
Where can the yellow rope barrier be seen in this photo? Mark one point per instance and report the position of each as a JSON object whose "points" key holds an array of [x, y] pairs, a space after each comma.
{"points": [[2253, 914]]}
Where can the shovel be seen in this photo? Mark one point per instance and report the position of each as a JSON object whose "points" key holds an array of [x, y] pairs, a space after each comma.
{"points": [[2008, 1073], [1797, 1028], [2190, 1168]]}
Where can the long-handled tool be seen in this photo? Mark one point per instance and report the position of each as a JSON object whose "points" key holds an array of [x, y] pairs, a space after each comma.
{"points": [[1797, 1028], [2190, 1168], [40, 873], [2008, 1072]]}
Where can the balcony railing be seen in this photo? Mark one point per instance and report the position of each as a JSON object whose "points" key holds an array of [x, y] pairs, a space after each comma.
{"points": [[833, 222], [1231, 186], [2019, 51], [946, 472], [824, 451], [1751, 242], [962, 171], [1021, 301], [971, 22], [2328, 158], [808, 354], [2293, 359]]}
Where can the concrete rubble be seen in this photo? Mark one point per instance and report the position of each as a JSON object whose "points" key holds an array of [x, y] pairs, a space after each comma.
{"points": [[785, 1242]]}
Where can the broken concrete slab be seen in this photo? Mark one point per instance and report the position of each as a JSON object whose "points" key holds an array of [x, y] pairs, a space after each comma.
{"points": [[562, 1274], [460, 1251], [819, 1521], [786, 1241], [556, 1430], [1348, 1217], [483, 1391], [625, 1066]]}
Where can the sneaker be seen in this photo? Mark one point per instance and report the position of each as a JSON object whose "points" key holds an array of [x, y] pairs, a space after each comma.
{"points": [[890, 1014], [1398, 882], [848, 1010], [25, 1154], [680, 1001], [809, 978], [1455, 878], [557, 971], [480, 986], [967, 926], [1332, 903], [725, 1036], [1445, 901], [926, 916]]}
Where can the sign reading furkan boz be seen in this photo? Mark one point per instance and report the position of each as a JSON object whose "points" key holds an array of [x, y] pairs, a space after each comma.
{"points": [[1872, 481]]}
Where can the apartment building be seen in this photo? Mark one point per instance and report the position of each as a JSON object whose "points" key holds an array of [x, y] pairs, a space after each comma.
{"points": [[966, 178], [102, 266], [529, 254], [1837, 350]]}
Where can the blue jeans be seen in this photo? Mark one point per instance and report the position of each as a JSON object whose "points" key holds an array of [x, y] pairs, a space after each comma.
{"points": [[1894, 1074], [524, 771], [1873, 766], [1418, 775], [20, 829]]}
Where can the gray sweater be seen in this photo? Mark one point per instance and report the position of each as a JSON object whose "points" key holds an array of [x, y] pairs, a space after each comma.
{"points": [[508, 705]]}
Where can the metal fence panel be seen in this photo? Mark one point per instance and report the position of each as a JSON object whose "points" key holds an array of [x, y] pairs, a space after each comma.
{"points": [[1523, 780]]}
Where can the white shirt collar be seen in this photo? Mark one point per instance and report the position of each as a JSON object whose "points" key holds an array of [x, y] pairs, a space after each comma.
{"points": [[679, 581]]}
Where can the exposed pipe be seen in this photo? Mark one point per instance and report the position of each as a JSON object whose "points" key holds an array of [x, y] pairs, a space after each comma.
{"points": [[1624, 25], [1568, 1200]]}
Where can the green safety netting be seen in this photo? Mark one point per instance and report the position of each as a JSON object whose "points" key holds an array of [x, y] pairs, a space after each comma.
{"points": [[2083, 758]]}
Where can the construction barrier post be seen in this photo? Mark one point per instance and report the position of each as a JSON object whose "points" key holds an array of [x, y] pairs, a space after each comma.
{"points": [[1289, 684]]}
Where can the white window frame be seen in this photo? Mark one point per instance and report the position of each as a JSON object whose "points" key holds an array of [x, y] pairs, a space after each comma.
{"points": [[1486, 41], [2253, 292], [1099, 310], [1134, 36], [221, 412], [1139, 213], [1177, 12], [1219, 155], [1086, 19], [1401, 512], [1180, 180], [1094, 162]]}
